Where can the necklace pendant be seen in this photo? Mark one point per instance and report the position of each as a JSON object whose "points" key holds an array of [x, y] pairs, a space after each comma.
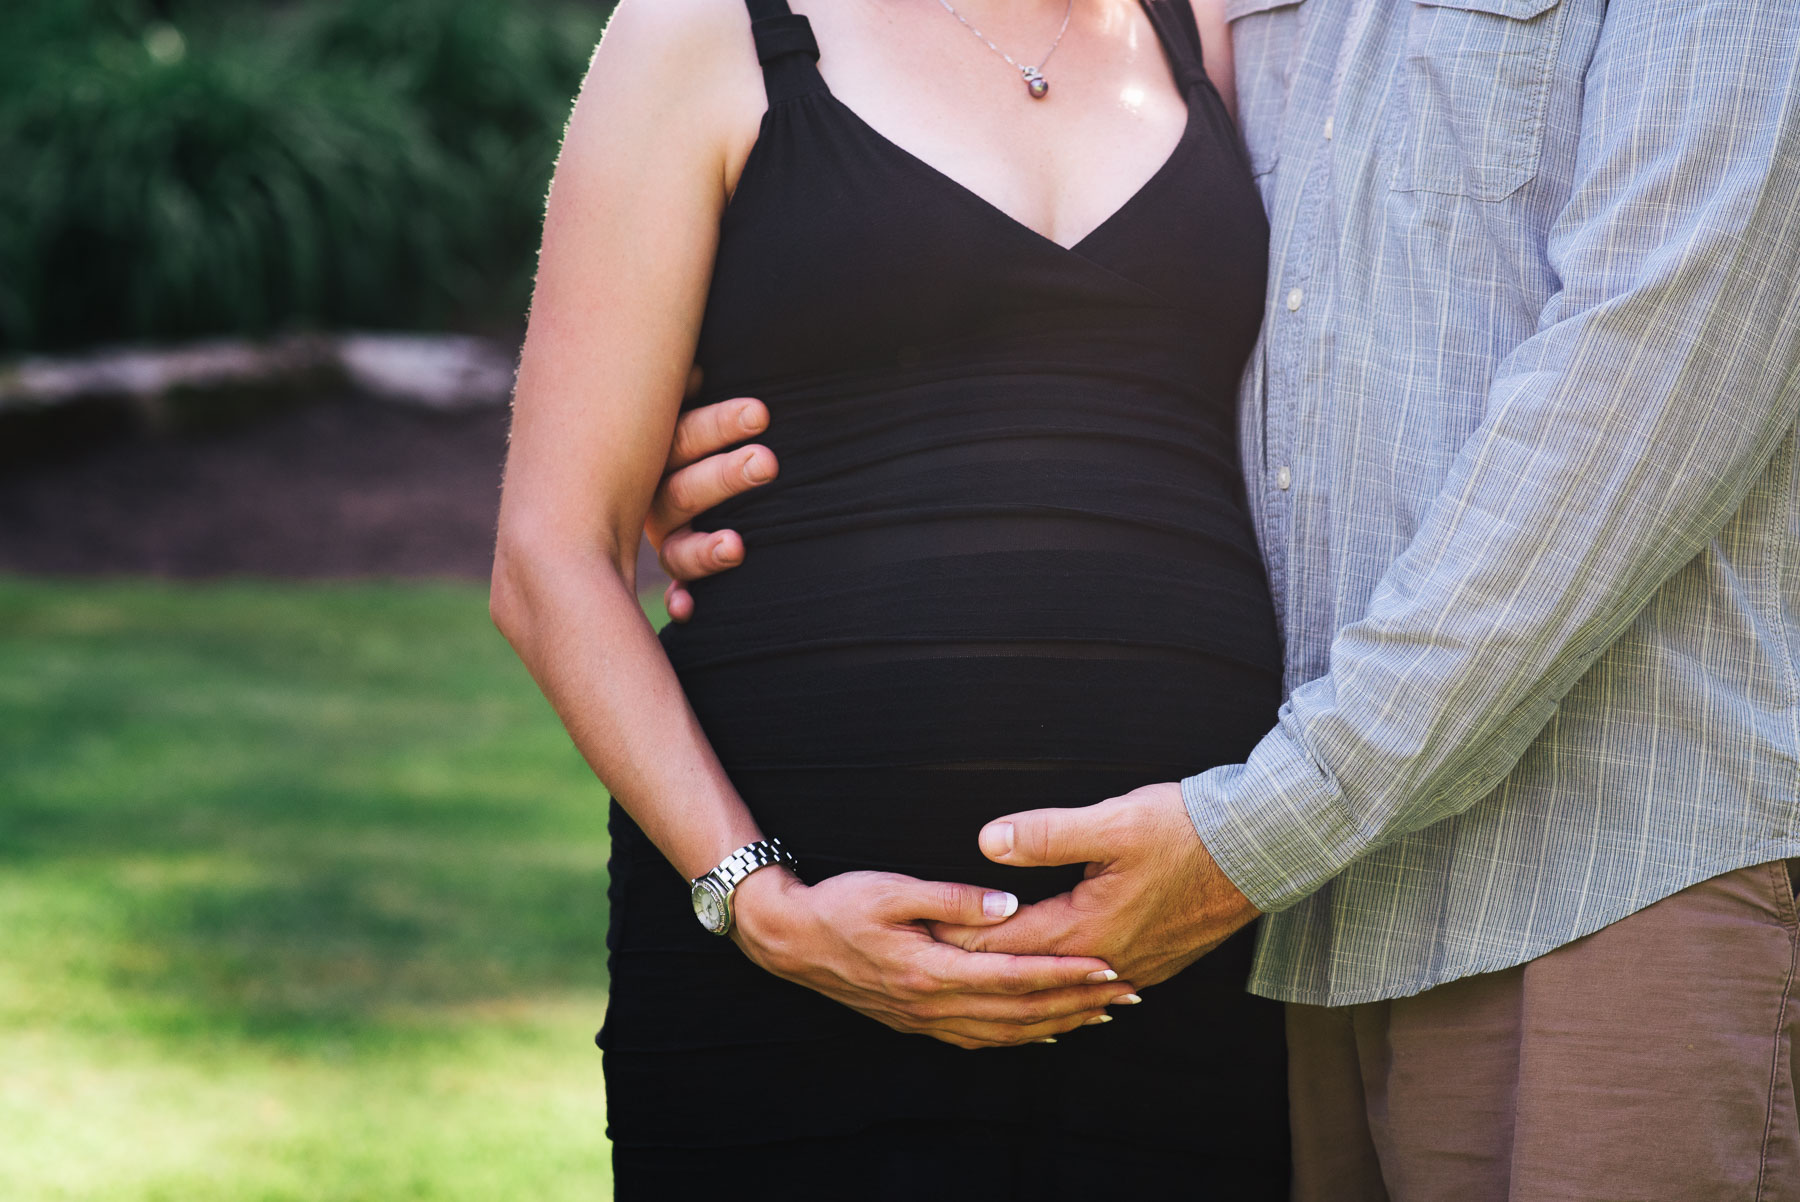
{"points": [[1035, 83]]}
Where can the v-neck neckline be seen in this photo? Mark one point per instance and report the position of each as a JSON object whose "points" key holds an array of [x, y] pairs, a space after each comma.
{"points": [[957, 186]]}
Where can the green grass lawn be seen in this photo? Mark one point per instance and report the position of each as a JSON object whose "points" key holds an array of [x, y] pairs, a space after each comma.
{"points": [[302, 896]]}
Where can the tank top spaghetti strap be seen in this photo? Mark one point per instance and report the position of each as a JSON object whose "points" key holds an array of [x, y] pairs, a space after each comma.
{"points": [[786, 48]]}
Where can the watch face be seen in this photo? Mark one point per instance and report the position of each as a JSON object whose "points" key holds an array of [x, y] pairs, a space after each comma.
{"points": [[709, 907]]}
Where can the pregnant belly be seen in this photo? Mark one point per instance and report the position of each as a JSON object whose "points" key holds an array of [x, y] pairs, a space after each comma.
{"points": [[879, 721], [896, 764]]}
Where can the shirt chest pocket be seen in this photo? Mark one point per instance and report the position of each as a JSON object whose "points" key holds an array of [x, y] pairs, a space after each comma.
{"points": [[1477, 79], [1265, 47]]}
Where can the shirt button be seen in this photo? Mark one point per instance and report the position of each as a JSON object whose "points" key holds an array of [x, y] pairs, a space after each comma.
{"points": [[1295, 296], [1284, 478], [1328, 129]]}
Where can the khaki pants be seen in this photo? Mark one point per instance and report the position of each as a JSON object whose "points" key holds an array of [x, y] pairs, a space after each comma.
{"points": [[1653, 1059]]}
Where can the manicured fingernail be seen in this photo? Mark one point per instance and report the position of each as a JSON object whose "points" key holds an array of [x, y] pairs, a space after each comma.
{"points": [[1097, 1020], [750, 417], [999, 905], [1102, 977], [1127, 999], [998, 838], [756, 471], [1046, 1039]]}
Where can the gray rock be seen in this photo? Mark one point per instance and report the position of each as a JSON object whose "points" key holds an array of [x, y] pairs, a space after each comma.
{"points": [[437, 371]]}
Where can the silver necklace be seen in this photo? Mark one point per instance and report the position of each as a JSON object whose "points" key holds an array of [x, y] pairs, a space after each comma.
{"points": [[1035, 83]]}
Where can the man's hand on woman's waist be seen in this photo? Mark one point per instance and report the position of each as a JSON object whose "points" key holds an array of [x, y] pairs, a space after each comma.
{"points": [[698, 476]]}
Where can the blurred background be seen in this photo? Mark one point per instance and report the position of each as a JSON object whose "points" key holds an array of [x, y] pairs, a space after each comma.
{"points": [[302, 887]]}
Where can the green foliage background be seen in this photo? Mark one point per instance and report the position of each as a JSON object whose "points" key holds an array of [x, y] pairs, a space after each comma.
{"points": [[207, 167]]}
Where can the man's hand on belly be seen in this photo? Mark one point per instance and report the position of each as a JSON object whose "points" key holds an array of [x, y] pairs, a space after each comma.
{"points": [[1153, 900], [860, 939]]}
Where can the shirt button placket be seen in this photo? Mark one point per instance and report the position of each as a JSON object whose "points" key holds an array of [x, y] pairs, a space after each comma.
{"points": [[1286, 351]]}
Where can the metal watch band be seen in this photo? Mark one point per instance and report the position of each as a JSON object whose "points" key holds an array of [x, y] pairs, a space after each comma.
{"points": [[764, 853]]}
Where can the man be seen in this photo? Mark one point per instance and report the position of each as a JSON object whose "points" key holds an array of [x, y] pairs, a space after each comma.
{"points": [[1520, 442]]}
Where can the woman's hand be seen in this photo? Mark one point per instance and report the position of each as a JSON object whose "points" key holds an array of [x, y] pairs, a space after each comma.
{"points": [[860, 939]]}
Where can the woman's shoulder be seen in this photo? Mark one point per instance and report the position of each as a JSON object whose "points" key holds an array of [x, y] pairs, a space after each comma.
{"points": [[1215, 47], [682, 69], [699, 35]]}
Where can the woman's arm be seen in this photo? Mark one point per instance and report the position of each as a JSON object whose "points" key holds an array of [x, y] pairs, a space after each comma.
{"points": [[629, 235], [629, 238]]}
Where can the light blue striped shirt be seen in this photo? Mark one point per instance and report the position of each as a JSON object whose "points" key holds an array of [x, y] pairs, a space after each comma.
{"points": [[1520, 441]]}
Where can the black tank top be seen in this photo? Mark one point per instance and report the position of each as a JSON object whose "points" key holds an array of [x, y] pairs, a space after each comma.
{"points": [[982, 433], [1006, 564]]}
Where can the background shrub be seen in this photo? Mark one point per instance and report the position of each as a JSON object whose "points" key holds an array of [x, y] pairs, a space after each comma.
{"points": [[185, 169]]}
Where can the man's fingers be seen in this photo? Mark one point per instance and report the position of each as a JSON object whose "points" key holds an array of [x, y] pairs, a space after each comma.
{"points": [[690, 492], [677, 601], [1073, 836], [709, 430], [692, 555], [1039, 927]]}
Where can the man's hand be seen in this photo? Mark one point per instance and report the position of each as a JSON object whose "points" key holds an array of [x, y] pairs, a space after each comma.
{"points": [[698, 477], [1153, 900], [859, 938]]}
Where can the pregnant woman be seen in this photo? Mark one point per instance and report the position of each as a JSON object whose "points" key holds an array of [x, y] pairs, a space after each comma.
{"points": [[997, 305]]}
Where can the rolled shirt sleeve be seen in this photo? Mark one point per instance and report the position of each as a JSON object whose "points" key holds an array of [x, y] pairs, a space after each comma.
{"points": [[1618, 439]]}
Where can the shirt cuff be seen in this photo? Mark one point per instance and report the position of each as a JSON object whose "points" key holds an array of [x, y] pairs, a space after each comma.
{"points": [[1276, 825]]}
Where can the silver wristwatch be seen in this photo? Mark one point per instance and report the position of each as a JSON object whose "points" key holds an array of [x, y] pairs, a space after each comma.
{"points": [[712, 892]]}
